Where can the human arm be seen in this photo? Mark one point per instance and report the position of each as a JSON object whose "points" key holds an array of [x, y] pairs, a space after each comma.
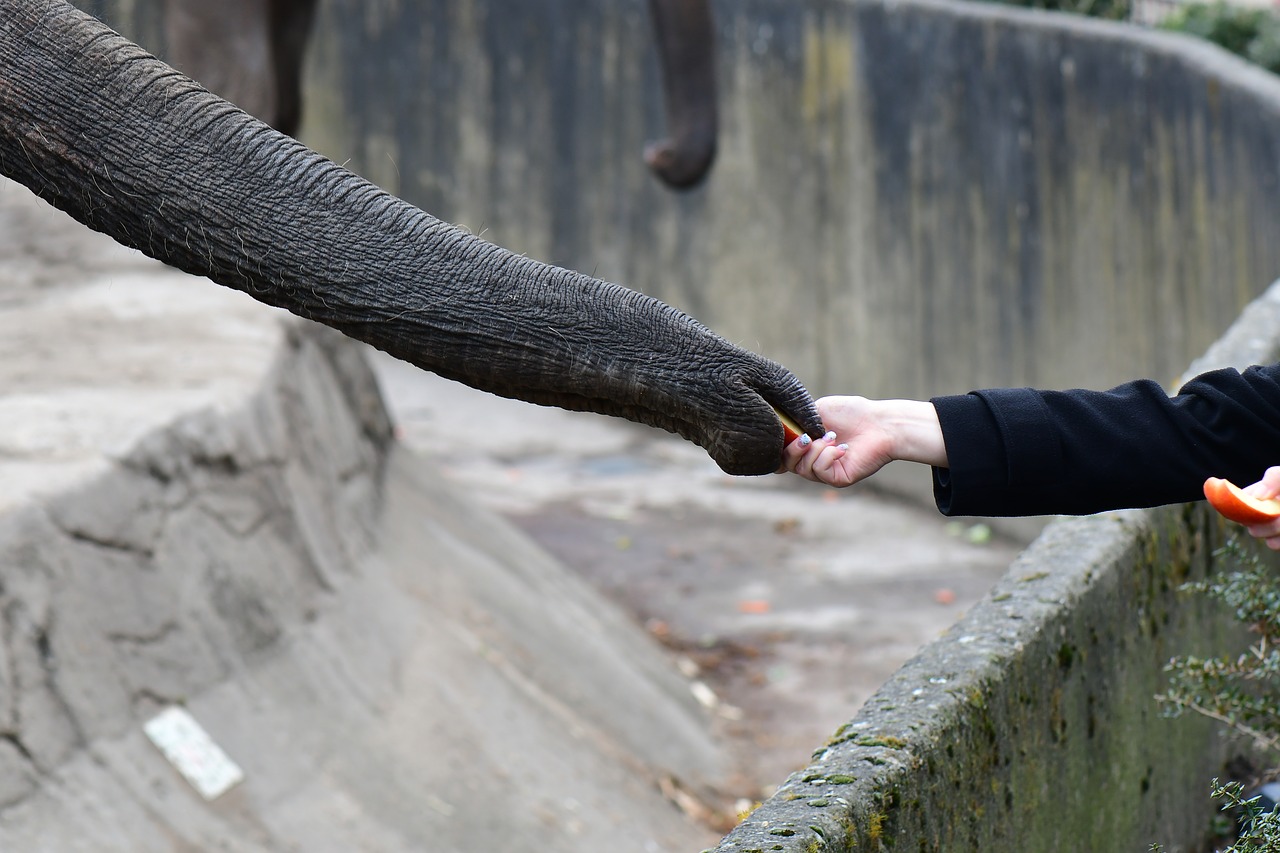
{"points": [[865, 435], [1029, 452], [1020, 451]]}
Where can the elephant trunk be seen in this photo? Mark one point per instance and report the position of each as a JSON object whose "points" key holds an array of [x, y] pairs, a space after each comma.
{"points": [[685, 34], [132, 148]]}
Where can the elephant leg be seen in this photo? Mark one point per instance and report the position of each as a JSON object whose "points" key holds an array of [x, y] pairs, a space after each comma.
{"points": [[685, 35], [246, 51], [225, 47], [290, 29]]}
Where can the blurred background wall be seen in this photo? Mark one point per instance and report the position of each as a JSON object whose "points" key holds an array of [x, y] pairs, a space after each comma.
{"points": [[910, 198]]}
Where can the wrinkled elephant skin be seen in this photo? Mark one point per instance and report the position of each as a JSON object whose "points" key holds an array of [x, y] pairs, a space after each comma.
{"points": [[250, 52], [127, 145]]}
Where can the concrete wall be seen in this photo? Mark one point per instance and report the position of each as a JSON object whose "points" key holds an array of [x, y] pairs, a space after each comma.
{"points": [[911, 198]]}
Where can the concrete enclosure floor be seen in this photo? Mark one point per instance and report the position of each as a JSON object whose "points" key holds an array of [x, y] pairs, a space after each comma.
{"points": [[789, 602], [570, 632]]}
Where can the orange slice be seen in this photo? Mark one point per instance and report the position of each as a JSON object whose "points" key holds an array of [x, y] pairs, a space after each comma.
{"points": [[1228, 499], [790, 429]]}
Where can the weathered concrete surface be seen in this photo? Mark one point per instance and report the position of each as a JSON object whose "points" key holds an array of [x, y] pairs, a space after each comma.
{"points": [[200, 505]]}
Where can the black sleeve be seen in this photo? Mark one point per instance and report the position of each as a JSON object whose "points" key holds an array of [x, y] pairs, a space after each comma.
{"points": [[1019, 451]]}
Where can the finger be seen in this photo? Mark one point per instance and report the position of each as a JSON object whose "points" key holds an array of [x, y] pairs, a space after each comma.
{"points": [[1268, 486], [1259, 490], [827, 468], [793, 453], [804, 465], [1269, 530]]}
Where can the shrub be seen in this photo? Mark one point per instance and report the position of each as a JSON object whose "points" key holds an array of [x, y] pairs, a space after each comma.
{"points": [[1111, 10], [1242, 692], [1250, 32]]}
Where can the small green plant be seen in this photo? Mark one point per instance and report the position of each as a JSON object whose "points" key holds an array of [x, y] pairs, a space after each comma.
{"points": [[1111, 10], [1242, 692], [1261, 826], [1252, 32], [1255, 828]]}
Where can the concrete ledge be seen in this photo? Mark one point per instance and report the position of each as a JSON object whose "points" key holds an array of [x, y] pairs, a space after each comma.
{"points": [[1032, 725], [201, 505], [186, 474]]}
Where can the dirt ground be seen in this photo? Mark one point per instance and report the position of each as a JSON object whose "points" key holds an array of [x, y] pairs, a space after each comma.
{"points": [[786, 603]]}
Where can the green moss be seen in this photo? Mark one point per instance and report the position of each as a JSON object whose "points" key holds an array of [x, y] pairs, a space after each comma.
{"points": [[881, 740]]}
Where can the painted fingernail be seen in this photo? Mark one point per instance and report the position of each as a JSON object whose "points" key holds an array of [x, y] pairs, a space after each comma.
{"points": [[831, 436], [805, 441], [842, 447]]}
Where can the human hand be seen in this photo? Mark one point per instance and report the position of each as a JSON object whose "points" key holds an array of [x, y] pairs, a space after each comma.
{"points": [[1267, 487], [864, 436]]}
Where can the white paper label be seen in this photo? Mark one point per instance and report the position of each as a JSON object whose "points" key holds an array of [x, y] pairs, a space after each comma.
{"points": [[192, 752]]}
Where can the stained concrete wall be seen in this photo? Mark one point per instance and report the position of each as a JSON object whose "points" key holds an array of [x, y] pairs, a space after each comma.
{"points": [[911, 198]]}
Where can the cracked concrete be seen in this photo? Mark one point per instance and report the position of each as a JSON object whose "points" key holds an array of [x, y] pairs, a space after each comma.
{"points": [[201, 504]]}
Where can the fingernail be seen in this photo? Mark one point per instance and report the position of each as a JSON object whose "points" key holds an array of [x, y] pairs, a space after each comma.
{"points": [[842, 447], [805, 441], [831, 436]]}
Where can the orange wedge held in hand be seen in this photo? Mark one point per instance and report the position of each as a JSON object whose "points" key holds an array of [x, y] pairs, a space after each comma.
{"points": [[1231, 501], [790, 429]]}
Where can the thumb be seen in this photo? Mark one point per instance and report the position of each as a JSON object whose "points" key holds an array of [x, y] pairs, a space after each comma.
{"points": [[1268, 486]]}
